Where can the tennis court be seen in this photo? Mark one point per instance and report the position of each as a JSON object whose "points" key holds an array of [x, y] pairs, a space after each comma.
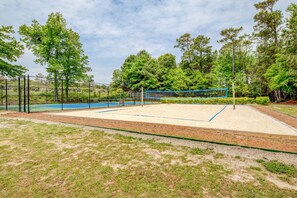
{"points": [[244, 118], [69, 106]]}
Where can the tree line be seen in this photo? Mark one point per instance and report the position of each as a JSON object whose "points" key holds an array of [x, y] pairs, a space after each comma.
{"points": [[261, 63]]}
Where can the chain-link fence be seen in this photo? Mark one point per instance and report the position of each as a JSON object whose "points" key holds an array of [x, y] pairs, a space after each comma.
{"points": [[36, 94]]}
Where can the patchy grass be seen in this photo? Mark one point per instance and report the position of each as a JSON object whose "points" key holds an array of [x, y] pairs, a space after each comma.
{"points": [[46, 160], [286, 109], [218, 156], [280, 168], [257, 168], [260, 160], [198, 151]]}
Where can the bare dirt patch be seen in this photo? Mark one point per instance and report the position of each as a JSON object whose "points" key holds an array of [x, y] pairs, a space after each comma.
{"points": [[290, 102], [5, 143], [280, 184]]}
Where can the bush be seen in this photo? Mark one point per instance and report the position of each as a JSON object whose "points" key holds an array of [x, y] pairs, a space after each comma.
{"points": [[241, 101], [263, 100]]}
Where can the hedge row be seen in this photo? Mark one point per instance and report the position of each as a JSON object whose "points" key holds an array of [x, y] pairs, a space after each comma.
{"points": [[244, 100]]}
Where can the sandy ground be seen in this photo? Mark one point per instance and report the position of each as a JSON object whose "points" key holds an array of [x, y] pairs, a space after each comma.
{"points": [[244, 118]]}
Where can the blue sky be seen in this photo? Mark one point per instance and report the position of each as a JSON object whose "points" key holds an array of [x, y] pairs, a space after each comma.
{"points": [[111, 30]]}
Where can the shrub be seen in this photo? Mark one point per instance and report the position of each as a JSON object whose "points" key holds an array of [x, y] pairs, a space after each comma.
{"points": [[263, 100]]}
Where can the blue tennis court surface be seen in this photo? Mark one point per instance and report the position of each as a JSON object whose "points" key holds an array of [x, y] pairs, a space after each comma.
{"points": [[69, 106]]}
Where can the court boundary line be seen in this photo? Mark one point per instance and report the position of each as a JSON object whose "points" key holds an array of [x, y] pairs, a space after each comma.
{"points": [[164, 117], [215, 115], [275, 119]]}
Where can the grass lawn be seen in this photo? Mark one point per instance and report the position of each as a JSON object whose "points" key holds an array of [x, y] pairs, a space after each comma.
{"points": [[38, 160], [286, 109]]}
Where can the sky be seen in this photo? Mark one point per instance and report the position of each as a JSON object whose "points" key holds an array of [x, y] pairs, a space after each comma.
{"points": [[111, 30]]}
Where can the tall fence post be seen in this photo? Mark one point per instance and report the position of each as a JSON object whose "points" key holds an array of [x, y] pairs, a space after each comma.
{"points": [[24, 104], [123, 98], [89, 95], [6, 98], [62, 97], [46, 95], [134, 97], [107, 96], [141, 96], [28, 93], [19, 90]]}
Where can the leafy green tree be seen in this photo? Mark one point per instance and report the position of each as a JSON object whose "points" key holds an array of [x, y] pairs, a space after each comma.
{"points": [[197, 53], [282, 75], [151, 75], [10, 50], [223, 69], [282, 79], [56, 47], [165, 63], [47, 42], [267, 32], [74, 63], [133, 74], [202, 54], [184, 42], [176, 79], [290, 36], [117, 78]]}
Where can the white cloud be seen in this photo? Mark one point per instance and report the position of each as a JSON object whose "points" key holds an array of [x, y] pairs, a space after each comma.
{"points": [[112, 29]]}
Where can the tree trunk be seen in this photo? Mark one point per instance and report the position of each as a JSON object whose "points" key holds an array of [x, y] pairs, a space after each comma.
{"points": [[277, 95]]}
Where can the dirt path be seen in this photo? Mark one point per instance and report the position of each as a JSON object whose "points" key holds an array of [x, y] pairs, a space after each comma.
{"points": [[264, 141]]}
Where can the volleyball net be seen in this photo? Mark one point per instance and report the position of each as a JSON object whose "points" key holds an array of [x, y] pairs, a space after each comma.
{"points": [[187, 94]]}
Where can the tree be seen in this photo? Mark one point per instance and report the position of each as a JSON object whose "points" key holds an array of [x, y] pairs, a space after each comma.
{"points": [[184, 42], [202, 54], [282, 75], [47, 44], [136, 72], [10, 50], [290, 36], [56, 47], [230, 35], [197, 53], [74, 63], [267, 32], [176, 79], [166, 63], [117, 78]]}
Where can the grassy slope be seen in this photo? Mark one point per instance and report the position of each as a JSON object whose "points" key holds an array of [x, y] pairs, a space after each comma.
{"points": [[42, 160], [286, 109]]}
